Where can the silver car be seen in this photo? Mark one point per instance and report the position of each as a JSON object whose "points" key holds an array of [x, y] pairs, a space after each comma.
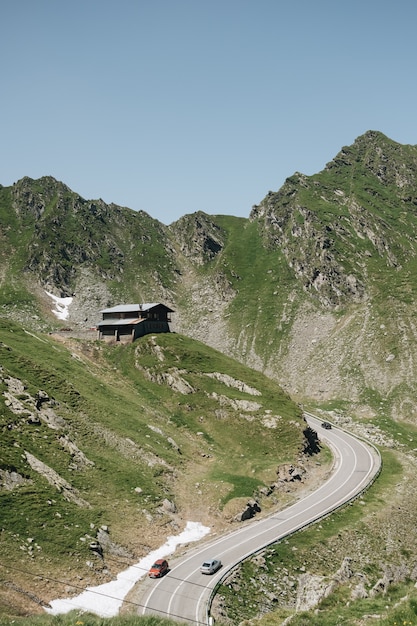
{"points": [[210, 567]]}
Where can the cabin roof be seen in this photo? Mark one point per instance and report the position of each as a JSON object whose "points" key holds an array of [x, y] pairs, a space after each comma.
{"points": [[120, 322], [128, 308]]}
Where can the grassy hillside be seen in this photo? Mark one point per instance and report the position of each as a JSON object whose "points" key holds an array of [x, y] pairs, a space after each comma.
{"points": [[243, 296], [316, 289], [95, 435]]}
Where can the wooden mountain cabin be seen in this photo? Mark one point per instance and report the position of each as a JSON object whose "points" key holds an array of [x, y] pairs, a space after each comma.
{"points": [[127, 322]]}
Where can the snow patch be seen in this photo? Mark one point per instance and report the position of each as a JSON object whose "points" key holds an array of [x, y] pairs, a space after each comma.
{"points": [[105, 600], [62, 306]]}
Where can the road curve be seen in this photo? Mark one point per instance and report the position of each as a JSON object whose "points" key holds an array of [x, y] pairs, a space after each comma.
{"points": [[184, 593]]}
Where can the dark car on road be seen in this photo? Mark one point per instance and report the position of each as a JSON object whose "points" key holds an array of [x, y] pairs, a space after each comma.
{"points": [[326, 425]]}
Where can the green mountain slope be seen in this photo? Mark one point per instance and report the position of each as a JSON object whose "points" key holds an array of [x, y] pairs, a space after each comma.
{"points": [[135, 439], [315, 290], [59, 242], [357, 217]]}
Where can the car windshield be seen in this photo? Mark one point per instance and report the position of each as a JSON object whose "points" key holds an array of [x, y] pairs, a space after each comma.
{"points": [[157, 565], [206, 564]]}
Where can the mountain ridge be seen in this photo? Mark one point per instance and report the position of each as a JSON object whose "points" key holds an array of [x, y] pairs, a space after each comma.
{"points": [[315, 290], [335, 249]]}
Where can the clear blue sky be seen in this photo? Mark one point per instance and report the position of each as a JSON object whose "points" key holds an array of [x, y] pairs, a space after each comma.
{"points": [[175, 106]]}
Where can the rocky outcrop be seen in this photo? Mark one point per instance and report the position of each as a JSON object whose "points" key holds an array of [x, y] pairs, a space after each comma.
{"points": [[10, 479], [312, 589], [79, 461], [199, 237], [172, 379], [75, 234], [325, 244], [229, 381], [64, 487], [314, 220], [290, 473], [103, 545], [31, 409]]}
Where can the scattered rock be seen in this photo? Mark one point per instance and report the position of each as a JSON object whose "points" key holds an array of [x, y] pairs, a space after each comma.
{"points": [[40, 398], [359, 592], [10, 480], [168, 506], [290, 473]]}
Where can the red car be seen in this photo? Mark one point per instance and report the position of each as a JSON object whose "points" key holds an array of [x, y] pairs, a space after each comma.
{"points": [[159, 568]]}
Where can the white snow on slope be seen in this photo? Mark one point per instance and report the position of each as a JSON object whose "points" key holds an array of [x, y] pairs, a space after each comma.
{"points": [[62, 305], [105, 600]]}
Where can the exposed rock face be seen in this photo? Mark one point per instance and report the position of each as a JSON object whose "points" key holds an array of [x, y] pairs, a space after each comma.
{"points": [[173, 379], [310, 239], [199, 237], [290, 473], [80, 235], [79, 459], [308, 244], [312, 442], [54, 479], [229, 381], [340, 322], [105, 545], [31, 409], [168, 506], [312, 588]]}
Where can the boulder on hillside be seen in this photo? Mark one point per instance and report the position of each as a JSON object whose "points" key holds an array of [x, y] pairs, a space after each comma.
{"points": [[290, 473], [250, 511]]}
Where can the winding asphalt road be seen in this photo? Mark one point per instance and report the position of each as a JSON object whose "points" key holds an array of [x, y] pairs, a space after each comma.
{"points": [[184, 593]]}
